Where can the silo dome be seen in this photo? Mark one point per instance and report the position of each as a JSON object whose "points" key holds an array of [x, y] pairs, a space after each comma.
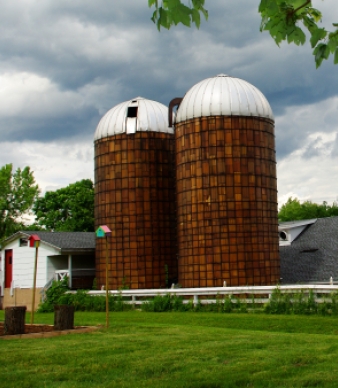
{"points": [[136, 115], [223, 96]]}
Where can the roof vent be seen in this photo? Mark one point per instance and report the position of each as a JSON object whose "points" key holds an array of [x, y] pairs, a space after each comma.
{"points": [[283, 235]]}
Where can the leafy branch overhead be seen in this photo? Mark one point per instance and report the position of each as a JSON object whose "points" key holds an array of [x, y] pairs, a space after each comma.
{"points": [[285, 20], [172, 12]]}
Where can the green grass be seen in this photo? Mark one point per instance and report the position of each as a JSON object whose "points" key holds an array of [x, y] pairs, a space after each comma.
{"points": [[178, 350]]}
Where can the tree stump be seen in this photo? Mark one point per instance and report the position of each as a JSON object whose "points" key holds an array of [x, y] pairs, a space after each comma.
{"points": [[15, 320], [63, 317]]}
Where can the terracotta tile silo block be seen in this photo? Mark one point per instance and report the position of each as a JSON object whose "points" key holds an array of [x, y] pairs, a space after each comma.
{"points": [[232, 190], [139, 209]]}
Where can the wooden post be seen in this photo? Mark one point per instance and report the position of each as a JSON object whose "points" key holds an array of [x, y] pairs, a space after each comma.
{"points": [[15, 320], [34, 284], [107, 293], [63, 317], [70, 271]]}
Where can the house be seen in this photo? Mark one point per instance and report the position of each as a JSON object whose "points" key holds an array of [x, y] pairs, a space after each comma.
{"points": [[309, 250], [60, 254]]}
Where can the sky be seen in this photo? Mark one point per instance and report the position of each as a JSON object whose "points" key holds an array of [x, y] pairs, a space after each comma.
{"points": [[64, 64]]}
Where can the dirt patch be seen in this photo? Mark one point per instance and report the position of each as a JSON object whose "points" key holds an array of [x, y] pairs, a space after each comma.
{"points": [[31, 328], [38, 331]]}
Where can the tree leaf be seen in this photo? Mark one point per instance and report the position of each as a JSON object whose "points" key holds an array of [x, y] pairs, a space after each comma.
{"points": [[182, 15], [319, 53], [196, 18], [335, 58], [317, 34]]}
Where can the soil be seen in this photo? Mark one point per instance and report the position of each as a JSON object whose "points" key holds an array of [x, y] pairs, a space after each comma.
{"points": [[31, 328], [38, 331]]}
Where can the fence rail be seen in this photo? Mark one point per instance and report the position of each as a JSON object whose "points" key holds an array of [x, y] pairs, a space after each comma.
{"points": [[249, 294]]}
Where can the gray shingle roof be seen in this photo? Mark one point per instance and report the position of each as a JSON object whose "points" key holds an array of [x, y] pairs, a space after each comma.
{"points": [[313, 255], [295, 224], [66, 241]]}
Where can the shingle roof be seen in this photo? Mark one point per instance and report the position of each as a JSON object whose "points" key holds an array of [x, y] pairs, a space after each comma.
{"points": [[313, 255], [66, 241], [295, 224]]}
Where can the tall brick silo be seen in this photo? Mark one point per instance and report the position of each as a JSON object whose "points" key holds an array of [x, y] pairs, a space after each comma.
{"points": [[135, 195], [226, 186]]}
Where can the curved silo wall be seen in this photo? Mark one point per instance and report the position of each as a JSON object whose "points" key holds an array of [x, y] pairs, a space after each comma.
{"points": [[135, 198], [226, 202]]}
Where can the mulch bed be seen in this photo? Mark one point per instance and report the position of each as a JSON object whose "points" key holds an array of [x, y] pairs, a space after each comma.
{"points": [[31, 328], [38, 331]]}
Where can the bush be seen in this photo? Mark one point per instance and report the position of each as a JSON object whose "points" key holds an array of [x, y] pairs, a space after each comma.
{"points": [[227, 304], [157, 304], [300, 304], [279, 303], [53, 294], [84, 302]]}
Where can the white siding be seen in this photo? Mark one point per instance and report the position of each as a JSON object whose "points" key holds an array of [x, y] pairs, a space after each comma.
{"points": [[23, 264]]}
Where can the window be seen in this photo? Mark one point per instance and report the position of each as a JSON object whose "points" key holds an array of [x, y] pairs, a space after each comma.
{"points": [[132, 111], [23, 242]]}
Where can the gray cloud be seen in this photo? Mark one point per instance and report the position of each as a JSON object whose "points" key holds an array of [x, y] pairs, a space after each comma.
{"points": [[334, 152], [64, 63], [97, 54]]}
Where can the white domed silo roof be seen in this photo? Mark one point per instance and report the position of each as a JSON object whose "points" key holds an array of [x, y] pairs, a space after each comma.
{"points": [[223, 96], [138, 114]]}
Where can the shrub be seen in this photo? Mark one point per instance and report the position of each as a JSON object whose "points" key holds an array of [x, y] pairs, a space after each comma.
{"points": [[157, 304], [227, 304], [53, 294], [279, 303]]}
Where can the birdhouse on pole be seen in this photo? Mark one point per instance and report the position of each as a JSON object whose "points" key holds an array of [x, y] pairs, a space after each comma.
{"points": [[103, 231], [34, 241]]}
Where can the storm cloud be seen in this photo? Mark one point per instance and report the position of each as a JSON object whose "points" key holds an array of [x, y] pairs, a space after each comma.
{"points": [[64, 64]]}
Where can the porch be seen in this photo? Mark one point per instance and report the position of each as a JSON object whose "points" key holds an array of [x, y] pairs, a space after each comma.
{"points": [[79, 269], [79, 278]]}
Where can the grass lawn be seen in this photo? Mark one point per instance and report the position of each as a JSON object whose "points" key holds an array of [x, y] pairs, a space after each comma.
{"points": [[178, 350]]}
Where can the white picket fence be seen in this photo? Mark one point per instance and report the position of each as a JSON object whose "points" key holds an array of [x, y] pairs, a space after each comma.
{"points": [[249, 294]]}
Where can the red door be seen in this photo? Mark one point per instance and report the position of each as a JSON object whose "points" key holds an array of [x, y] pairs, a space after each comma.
{"points": [[8, 267]]}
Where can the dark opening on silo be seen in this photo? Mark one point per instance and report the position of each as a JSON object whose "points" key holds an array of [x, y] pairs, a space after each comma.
{"points": [[135, 195], [226, 186]]}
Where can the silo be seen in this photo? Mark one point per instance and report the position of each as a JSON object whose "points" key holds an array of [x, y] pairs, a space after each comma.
{"points": [[135, 195], [226, 186]]}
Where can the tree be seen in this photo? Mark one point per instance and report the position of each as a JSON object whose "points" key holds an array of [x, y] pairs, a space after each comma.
{"points": [[294, 210], [70, 209], [285, 20], [18, 192]]}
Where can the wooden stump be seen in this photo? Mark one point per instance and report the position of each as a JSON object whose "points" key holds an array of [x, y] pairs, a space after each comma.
{"points": [[63, 317], [15, 320]]}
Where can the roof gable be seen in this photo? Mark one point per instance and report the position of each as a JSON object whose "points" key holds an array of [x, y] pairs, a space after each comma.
{"points": [[289, 231], [313, 255], [63, 241]]}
